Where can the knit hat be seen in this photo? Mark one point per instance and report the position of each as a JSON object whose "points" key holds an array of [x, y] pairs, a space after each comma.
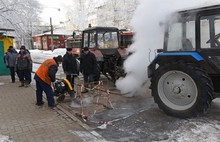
{"points": [[69, 49], [22, 47], [86, 49], [10, 47], [59, 58]]}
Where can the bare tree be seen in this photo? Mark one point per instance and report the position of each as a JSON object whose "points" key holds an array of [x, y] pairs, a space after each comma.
{"points": [[76, 13], [101, 13], [23, 16]]}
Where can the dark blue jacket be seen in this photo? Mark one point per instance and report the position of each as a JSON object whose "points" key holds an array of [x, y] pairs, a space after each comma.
{"points": [[88, 64]]}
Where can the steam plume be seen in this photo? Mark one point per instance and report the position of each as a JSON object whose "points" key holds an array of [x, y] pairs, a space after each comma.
{"points": [[149, 37]]}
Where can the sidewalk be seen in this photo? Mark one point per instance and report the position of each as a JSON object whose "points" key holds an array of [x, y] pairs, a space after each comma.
{"points": [[23, 121]]}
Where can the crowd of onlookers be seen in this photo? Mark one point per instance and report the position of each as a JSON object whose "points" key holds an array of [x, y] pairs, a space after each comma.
{"points": [[20, 63]]}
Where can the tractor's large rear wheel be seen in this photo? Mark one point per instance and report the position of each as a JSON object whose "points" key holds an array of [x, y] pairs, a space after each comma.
{"points": [[181, 89]]}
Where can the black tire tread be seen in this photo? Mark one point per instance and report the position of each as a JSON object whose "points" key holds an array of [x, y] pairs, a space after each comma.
{"points": [[205, 95]]}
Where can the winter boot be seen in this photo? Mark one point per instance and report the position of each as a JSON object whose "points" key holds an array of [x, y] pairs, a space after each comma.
{"points": [[26, 84], [22, 84]]}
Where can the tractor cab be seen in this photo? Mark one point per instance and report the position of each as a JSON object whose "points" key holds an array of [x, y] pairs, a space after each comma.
{"points": [[104, 39], [193, 30], [126, 38], [103, 42], [185, 76]]}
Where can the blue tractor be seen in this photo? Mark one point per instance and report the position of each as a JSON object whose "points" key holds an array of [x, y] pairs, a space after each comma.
{"points": [[185, 75]]}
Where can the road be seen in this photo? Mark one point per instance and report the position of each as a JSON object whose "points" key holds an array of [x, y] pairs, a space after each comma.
{"points": [[138, 119], [152, 124]]}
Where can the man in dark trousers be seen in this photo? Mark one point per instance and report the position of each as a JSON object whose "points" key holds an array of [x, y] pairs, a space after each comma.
{"points": [[10, 60], [70, 66], [88, 67], [23, 66], [46, 74]]}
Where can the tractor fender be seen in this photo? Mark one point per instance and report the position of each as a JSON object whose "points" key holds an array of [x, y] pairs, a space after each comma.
{"points": [[98, 54], [122, 52], [167, 57]]}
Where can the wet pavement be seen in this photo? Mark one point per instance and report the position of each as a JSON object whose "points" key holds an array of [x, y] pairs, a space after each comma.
{"points": [[152, 124], [138, 119]]}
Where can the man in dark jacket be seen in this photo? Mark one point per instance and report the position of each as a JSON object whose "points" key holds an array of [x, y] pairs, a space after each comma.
{"points": [[70, 66], [24, 66], [46, 74], [10, 60], [88, 67]]}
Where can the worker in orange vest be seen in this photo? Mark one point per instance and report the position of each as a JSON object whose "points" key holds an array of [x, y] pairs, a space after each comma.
{"points": [[46, 74]]}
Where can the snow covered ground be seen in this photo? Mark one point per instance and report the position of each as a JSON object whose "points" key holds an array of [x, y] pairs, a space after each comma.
{"points": [[5, 138], [199, 129]]}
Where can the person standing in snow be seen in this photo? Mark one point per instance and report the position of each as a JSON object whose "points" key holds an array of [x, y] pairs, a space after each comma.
{"points": [[70, 66], [24, 66], [88, 67], [10, 60]]}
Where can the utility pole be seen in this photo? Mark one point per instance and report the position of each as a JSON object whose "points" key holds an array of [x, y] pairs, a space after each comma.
{"points": [[51, 28]]}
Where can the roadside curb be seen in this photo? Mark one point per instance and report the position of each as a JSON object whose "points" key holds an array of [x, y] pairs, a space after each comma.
{"points": [[75, 119]]}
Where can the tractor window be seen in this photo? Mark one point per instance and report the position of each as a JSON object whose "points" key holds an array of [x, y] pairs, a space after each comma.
{"points": [[217, 32], [205, 36], [191, 35], [85, 43], [175, 35], [210, 31], [107, 40], [181, 37], [92, 41]]}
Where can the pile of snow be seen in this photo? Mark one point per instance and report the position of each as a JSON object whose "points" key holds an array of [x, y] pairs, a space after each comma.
{"points": [[42, 55], [202, 131], [5, 138]]}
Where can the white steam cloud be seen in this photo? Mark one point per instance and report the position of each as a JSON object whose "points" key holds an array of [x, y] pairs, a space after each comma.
{"points": [[149, 37]]}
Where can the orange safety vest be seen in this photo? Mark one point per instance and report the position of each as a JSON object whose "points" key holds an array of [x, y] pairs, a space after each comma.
{"points": [[43, 70]]}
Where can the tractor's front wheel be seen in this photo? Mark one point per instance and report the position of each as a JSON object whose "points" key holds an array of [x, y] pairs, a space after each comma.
{"points": [[182, 90]]}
